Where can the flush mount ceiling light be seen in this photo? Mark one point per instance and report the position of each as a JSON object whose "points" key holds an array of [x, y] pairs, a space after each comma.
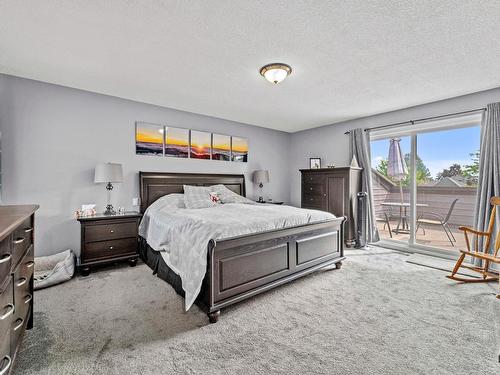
{"points": [[276, 72]]}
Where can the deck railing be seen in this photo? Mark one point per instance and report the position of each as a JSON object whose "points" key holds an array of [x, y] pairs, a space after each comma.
{"points": [[437, 198]]}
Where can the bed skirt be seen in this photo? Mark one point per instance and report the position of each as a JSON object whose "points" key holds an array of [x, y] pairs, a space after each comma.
{"points": [[156, 262]]}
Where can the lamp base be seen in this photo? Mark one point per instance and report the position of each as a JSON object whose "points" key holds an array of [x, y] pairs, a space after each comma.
{"points": [[109, 210]]}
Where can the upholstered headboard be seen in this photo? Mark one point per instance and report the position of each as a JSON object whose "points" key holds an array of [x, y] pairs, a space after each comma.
{"points": [[154, 185]]}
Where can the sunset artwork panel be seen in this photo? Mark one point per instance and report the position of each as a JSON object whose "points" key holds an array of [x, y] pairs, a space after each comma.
{"points": [[239, 149], [176, 142], [201, 144], [148, 139], [221, 147]]}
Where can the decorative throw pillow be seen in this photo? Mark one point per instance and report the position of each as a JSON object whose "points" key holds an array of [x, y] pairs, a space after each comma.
{"points": [[229, 196], [200, 196], [170, 201]]}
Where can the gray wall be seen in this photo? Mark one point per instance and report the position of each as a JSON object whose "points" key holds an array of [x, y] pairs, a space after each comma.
{"points": [[332, 146], [53, 136]]}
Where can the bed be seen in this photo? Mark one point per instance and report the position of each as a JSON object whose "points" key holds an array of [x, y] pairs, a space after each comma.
{"points": [[243, 266]]}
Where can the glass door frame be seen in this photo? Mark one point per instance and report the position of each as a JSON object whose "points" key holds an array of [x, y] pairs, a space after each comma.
{"points": [[412, 130]]}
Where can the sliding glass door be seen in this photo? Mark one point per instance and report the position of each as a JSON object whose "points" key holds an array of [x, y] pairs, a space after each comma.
{"points": [[436, 194]]}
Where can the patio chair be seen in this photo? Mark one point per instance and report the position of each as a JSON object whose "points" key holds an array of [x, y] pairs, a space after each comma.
{"points": [[432, 218], [385, 219], [481, 254]]}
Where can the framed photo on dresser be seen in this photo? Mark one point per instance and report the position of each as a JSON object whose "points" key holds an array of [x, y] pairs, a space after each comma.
{"points": [[315, 163]]}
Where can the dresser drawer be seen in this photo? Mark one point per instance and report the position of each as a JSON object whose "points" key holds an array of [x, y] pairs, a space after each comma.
{"points": [[5, 353], [27, 265], [110, 249], [313, 199], [5, 258], [313, 189], [110, 231], [22, 239], [6, 308], [313, 178], [22, 300]]}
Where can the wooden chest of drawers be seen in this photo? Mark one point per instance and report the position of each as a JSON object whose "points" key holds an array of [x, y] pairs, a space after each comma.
{"points": [[333, 190], [16, 279], [108, 238]]}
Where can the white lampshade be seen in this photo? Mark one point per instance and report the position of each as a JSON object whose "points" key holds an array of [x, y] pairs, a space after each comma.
{"points": [[261, 177], [108, 172]]}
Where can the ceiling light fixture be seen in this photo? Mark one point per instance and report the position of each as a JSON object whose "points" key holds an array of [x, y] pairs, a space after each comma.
{"points": [[276, 72]]}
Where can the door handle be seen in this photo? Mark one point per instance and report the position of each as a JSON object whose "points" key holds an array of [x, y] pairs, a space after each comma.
{"points": [[28, 230]]}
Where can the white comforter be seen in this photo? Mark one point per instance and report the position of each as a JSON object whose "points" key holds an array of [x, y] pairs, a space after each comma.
{"points": [[182, 235]]}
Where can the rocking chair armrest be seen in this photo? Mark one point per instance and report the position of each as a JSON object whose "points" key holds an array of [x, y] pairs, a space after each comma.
{"points": [[474, 231]]}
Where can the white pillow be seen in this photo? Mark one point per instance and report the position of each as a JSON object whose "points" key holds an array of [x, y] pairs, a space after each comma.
{"points": [[200, 196], [228, 196], [170, 201]]}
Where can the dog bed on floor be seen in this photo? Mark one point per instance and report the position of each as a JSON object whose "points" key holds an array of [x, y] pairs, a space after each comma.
{"points": [[54, 269]]}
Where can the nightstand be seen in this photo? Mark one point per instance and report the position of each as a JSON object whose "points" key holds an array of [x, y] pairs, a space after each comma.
{"points": [[108, 239]]}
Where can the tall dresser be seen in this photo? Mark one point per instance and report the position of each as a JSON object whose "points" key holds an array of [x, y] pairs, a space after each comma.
{"points": [[333, 190], [16, 279]]}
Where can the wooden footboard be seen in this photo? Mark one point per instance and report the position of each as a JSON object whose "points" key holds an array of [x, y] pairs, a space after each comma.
{"points": [[241, 267]]}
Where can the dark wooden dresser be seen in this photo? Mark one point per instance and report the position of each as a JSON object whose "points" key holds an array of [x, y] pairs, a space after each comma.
{"points": [[333, 190], [109, 238], [17, 224]]}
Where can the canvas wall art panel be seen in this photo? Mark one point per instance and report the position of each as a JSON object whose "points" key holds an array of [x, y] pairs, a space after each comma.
{"points": [[239, 149], [221, 147], [176, 142], [201, 144], [149, 139]]}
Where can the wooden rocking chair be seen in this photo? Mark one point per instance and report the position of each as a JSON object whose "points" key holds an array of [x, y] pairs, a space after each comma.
{"points": [[487, 275]]}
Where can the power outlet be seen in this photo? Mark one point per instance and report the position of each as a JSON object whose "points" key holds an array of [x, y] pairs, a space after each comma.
{"points": [[135, 201]]}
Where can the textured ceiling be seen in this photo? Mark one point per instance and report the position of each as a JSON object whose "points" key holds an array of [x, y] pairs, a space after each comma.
{"points": [[349, 58]]}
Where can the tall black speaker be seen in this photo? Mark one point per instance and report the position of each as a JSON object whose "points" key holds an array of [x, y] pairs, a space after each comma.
{"points": [[361, 220]]}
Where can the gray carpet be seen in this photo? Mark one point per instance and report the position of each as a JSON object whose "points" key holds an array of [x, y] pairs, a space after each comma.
{"points": [[441, 264], [377, 315]]}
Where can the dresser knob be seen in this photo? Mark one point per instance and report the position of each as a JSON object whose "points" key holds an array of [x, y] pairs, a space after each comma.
{"points": [[310, 189], [111, 231], [324, 194], [111, 248]]}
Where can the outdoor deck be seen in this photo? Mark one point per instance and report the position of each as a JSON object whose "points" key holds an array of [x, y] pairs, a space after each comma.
{"points": [[432, 200], [434, 236]]}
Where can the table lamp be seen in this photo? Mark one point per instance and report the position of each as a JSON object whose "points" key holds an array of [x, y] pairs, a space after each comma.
{"points": [[261, 177], [108, 173]]}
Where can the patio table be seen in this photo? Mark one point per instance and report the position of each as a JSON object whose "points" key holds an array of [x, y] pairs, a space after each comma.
{"points": [[403, 217]]}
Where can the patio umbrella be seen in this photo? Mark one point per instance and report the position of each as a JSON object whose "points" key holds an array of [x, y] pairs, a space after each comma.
{"points": [[396, 165]]}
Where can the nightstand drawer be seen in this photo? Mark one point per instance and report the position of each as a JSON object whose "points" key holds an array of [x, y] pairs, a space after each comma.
{"points": [[110, 249], [102, 232]]}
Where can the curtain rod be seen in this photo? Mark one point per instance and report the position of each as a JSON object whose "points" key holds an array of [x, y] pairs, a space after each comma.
{"points": [[412, 122]]}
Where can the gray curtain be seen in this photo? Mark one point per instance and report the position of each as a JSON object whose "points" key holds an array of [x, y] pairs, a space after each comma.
{"points": [[489, 166], [360, 148]]}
